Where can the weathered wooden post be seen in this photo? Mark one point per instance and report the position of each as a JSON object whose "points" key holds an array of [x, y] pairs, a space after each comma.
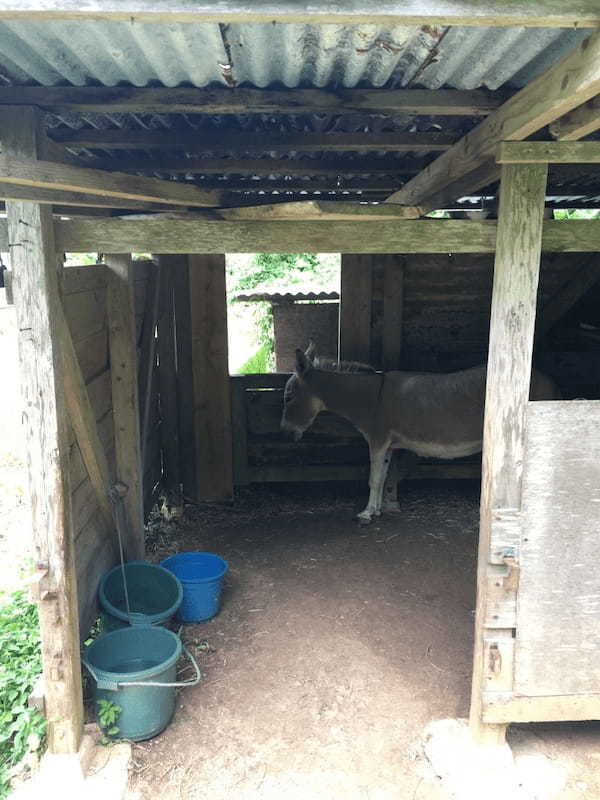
{"points": [[355, 308], [516, 272], [39, 313]]}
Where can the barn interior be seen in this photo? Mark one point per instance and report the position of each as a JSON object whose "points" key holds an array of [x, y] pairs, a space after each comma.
{"points": [[179, 136]]}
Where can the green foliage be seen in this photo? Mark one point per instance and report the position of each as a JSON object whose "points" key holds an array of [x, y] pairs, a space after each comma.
{"points": [[22, 729], [577, 213], [260, 362], [107, 713], [268, 267]]}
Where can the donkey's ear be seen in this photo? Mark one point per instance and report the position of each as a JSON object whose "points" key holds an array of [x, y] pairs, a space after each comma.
{"points": [[310, 350], [302, 362]]}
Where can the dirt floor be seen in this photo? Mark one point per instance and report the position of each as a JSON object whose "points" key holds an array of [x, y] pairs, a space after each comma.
{"points": [[335, 646]]}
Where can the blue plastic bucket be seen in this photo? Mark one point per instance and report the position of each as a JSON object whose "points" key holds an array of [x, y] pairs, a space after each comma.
{"points": [[135, 669], [201, 575], [155, 594]]}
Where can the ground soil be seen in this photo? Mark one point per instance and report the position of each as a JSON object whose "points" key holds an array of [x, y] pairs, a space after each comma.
{"points": [[335, 646]]}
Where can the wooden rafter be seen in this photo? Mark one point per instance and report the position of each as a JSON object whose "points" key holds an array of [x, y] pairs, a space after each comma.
{"points": [[62, 177], [578, 123], [548, 152], [9, 191], [468, 165], [184, 100], [535, 13], [245, 142]]}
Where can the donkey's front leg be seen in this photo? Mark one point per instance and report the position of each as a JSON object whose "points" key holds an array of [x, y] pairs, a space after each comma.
{"points": [[380, 461]]}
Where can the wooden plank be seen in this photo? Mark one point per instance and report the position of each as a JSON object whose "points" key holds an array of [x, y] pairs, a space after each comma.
{"points": [[573, 80], [123, 367], [167, 381], [37, 304], [239, 432], [185, 384], [75, 280], [393, 302], [10, 191], [568, 294], [63, 177], [548, 152], [355, 308], [357, 472], [537, 13], [408, 236], [558, 622], [507, 708], [186, 100], [516, 274], [212, 401], [580, 122], [96, 554], [246, 142], [272, 380], [320, 210]]}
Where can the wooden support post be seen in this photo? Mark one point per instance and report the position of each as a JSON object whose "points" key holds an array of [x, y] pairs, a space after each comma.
{"points": [[355, 308], [239, 431], [120, 304], [516, 274], [212, 402], [393, 301], [185, 383], [167, 382], [37, 302]]}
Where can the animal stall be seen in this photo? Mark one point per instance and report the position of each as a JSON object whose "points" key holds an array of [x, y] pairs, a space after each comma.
{"points": [[540, 460]]}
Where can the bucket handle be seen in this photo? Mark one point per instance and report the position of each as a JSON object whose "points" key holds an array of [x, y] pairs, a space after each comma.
{"points": [[114, 686]]}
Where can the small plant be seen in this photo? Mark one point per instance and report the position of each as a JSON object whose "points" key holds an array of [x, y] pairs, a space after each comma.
{"points": [[22, 729], [107, 714]]}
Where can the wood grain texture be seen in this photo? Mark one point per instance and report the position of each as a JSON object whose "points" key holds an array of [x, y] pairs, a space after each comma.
{"points": [[239, 432], [549, 152], [123, 367], [408, 236], [580, 122], [393, 308], [355, 308], [558, 626], [516, 275], [541, 13], [212, 399], [66, 178], [37, 303], [572, 80], [506, 708], [192, 100]]}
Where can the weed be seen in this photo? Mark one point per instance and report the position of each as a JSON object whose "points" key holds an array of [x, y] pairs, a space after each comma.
{"points": [[22, 729], [107, 714]]}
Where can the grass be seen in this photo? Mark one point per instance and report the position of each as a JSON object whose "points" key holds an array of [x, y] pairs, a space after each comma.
{"points": [[22, 729]]}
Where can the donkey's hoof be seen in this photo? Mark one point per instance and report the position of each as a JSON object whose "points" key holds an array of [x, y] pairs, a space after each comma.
{"points": [[364, 518], [391, 508]]}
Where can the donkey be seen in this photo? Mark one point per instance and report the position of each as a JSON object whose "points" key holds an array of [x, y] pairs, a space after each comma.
{"points": [[429, 414]]}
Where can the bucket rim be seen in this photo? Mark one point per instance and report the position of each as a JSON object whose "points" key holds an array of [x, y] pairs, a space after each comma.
{"points": [[149, 672], [217, 576], [138, 615]]}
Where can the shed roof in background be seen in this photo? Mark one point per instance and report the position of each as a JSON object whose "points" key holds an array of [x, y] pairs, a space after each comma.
{"points": [[280, 55]]}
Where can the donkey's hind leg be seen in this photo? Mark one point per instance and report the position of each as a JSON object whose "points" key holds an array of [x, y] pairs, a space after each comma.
{"points": [[380, 462], [401, 465]]}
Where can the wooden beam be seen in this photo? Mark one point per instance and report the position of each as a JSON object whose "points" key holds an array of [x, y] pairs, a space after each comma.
{"points": [[185, 100], [568, 294], [548, 152], [516, 275], [212, 400], [574, 79], [49, 175], [407, 236], [514, 709], [327, 166], [245, 142], [580, 122], [38, 309], [393, 308], [356, 293], [36, 194], [536, 13], [120, 307], [323, 210]]}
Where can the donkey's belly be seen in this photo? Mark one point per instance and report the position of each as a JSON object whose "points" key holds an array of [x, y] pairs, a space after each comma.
{"points": [[437, 449]]}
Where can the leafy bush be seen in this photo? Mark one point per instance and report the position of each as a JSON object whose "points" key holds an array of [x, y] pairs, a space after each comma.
{"points": [[260, 362], [22, 729]]}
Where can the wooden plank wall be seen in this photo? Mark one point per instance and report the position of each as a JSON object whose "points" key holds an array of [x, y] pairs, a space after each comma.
{"points": [[84, 300]]}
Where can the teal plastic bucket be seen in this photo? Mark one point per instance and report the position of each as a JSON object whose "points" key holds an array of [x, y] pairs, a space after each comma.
{"points": [[201, 575], [135, 669], [155, 594]]}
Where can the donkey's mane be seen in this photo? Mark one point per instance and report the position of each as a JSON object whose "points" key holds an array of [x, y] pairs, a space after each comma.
{"points": [[332, 365]]}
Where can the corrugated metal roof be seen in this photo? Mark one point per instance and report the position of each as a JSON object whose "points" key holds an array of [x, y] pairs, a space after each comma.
{"points": [[287, 297], [53, 52]]}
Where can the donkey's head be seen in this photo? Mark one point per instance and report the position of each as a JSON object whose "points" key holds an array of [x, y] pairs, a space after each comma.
{"points": [[300, 404]]}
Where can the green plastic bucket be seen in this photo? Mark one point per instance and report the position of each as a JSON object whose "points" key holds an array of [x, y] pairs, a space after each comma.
{"points": [[135, 669], [155, 594]]}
